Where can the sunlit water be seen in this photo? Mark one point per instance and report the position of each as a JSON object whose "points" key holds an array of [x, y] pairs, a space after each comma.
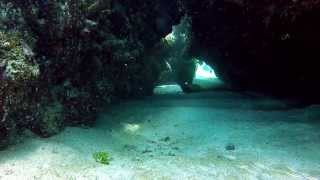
{"points": [[181, 136]]}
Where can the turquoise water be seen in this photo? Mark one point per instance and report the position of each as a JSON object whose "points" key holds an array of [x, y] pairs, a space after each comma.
{"points": [[182, 136]]}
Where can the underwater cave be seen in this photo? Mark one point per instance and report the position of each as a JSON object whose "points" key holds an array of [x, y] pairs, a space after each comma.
{"points": [[159, 89]]}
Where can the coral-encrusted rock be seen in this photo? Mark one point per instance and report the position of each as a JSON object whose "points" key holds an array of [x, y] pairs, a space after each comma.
{"points": [[50, 120], [15, 65], [88, 53], [18, 86]]}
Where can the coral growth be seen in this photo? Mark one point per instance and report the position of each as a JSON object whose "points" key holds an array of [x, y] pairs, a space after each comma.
{"points": [[18, 84], [73, 57], [17, 67]]}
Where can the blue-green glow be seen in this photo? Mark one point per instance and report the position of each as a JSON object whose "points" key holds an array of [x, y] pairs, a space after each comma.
{"points": [[204, 71]]}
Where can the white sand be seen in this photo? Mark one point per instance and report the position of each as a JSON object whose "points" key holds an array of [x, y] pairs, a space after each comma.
{"points": [[178, 137]]}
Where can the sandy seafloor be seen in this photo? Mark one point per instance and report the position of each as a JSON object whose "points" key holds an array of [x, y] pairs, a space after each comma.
{"points": [[177, 137]]}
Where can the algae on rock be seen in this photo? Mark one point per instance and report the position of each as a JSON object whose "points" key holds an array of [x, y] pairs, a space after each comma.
{"points": [[16, 65], [51, 121], [18, 85]]}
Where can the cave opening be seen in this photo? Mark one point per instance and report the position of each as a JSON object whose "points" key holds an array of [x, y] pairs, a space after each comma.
{"points": [[159, 89], [183, 72]]}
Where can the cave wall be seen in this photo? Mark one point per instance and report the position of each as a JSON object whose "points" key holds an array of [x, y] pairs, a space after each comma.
{"points": [[72, 57], [84, 54], [267, 46]]}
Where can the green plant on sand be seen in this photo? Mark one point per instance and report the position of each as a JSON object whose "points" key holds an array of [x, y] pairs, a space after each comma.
{"points": [[102, 157]]}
